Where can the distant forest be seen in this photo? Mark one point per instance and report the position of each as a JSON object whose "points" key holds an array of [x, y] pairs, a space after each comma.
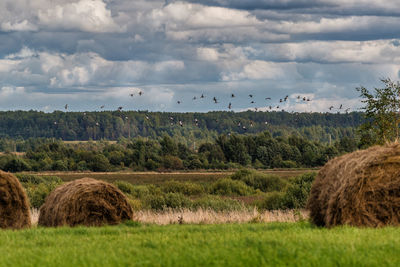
{"points": [[186, 128]]}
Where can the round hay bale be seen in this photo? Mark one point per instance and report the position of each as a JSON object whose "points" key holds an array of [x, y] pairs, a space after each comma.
{"points": [[86, 202], [359, 189], [14, 204]]}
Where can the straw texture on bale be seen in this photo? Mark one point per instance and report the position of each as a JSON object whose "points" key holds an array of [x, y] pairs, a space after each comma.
{"points": [[14, 204], [359, 189], [86, 202]]}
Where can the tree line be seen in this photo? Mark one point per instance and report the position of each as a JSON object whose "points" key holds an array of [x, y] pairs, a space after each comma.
{"points": [[187, 128], [227, 151]]}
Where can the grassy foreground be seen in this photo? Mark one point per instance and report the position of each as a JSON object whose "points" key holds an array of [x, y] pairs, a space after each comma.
{"points": [[130, 244]]}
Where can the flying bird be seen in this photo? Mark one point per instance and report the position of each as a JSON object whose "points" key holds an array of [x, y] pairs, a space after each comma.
{"points": [[215, 100], [178, 102], [250, 96], [232, 95], [267, 98], [140, 93], [230, 105], [66, 106], [120, 108], [202, 96], [340, 106], [102, 107]]}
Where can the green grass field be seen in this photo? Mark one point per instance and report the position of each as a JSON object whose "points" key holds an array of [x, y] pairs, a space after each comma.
{"points": [[273, 244]]}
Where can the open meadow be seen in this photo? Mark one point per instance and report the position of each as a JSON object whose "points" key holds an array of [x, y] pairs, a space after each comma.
{"points": [[132, 244]]}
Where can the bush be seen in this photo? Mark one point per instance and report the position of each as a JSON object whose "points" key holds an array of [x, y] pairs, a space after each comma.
{"points": [[136, 204], [125, 187], [217, 203], [273, 201], [288, 164], [38, 187], [16, 164], [155, 202], [176, 201], [298, 190], [99, 163], [258, 180], [187, 188], [229, 187], [173, 163], [142, 191], [59, 165]]}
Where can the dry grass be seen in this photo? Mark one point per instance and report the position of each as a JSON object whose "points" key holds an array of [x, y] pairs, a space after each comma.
{"points": [[209, 217], [34, 216]]}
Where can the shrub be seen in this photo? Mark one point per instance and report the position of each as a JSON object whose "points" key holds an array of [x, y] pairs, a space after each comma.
{"points": [[229, 187], [16, 164], [187, 188], [273, 201], [288, 164], [217, 203], [59, 165], [298, 190], [124, 186], [38, 187], [136, 204], [173, 162], [155, 202], [151, 165], [258, 180], [99, 163], [176, 201]]}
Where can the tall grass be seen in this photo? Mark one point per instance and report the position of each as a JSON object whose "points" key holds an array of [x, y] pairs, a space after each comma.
{"points": [[132, 244]]}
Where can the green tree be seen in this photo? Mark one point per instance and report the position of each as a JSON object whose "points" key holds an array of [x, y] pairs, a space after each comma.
{"points": [[382, 112]]}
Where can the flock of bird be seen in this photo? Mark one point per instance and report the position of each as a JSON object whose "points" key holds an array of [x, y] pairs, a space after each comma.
{"points": [[270, 106]]}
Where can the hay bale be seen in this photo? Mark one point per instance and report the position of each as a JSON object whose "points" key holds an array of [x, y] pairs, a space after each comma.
{"points": [[14, 204], [85, 202], [360, 189]]}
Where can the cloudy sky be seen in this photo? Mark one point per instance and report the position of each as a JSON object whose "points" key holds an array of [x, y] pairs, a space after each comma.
{"points": [[88, 53]]}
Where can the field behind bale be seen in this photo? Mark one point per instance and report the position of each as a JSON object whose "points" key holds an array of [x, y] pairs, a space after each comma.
{"points": [[132, 244], [160, 177]]}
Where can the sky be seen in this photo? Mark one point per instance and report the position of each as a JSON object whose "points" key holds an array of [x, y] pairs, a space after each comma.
{"points": [[90, 53]]}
